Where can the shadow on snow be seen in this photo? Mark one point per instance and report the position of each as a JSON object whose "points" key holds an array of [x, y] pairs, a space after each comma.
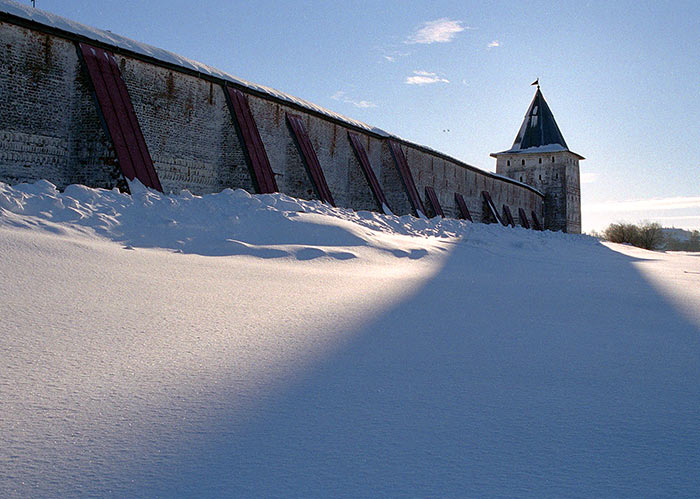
{"points": [[478, 385]]}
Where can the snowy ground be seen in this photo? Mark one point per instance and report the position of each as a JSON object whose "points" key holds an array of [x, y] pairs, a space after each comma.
{"points": [[264, 346]]}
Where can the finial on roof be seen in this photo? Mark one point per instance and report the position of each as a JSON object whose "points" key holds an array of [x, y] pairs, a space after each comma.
{"points": [[539, 131]]}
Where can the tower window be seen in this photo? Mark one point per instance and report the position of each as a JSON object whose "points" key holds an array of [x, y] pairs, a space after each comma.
{"points": [[552, 159], [540, 177], [522, 161], [508, 162], [521, 178], [540, 160]]}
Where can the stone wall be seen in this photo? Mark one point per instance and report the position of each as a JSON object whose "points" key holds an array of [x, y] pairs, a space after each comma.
{"points": [[448, 177], [49, 125], [557, 176], [573, 197], [50, 128]]}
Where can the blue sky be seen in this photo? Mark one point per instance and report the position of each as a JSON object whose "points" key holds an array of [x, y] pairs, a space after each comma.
{"points": [[622, 78]]}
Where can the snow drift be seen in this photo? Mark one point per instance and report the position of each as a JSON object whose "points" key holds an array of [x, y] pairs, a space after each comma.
{"points": [[238, 345]]}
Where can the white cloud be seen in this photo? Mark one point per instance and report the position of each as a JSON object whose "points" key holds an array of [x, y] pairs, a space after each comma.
{"points": [[424, 78], [493, 44], [438, 31], [677, 211], [362, 103], [342, 96], [392, 55], [588, 177], [653, 204]]}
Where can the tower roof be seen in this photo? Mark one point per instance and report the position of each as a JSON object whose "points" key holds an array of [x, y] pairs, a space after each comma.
{"points": [[539, 131]]}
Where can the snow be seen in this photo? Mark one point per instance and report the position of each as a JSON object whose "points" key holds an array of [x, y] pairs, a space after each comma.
{"points": [[535, 150], [107, 37], [238, 345]]}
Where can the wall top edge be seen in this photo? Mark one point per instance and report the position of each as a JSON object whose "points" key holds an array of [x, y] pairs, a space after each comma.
{"points": [[20, 14]]}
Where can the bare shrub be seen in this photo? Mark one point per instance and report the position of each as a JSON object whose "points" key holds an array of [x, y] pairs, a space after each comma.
{"points": [[621, 233], [647, 235], [650, 236], [694, 241]]}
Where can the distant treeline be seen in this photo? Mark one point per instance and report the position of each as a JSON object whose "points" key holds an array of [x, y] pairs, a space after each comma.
{"points": [[691, 244], [648, 236]]}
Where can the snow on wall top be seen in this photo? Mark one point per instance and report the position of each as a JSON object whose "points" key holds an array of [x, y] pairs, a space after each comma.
{"points": [[534, 149], [538, 150], [49, 19]]}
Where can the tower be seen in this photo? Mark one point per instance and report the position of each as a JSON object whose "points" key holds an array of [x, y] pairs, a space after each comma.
{"points": [[540, 157]]}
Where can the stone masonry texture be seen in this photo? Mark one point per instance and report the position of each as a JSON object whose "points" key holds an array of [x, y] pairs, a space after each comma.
{"points": [[554, 174], [50, 127]]}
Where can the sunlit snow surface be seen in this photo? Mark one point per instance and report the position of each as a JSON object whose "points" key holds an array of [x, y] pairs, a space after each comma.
{"points": [[237, 345]]}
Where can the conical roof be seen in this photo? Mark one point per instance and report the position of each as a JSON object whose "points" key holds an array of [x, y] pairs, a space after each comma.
{"points": [[539, 127], [539, 131]]}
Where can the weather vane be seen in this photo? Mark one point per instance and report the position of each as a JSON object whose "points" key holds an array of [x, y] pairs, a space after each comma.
{"points": [[536, 82]]}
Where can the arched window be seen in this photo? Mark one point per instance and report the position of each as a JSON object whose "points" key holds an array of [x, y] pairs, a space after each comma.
{"points": [[522, 161], [540, 160], [508, 163], [552, 159]]}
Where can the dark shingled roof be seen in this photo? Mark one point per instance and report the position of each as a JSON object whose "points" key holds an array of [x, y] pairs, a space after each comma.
{"points": [[539, 131], [539, 127]]}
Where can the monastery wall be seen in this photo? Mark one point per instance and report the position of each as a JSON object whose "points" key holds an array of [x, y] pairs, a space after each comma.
{"points": [[50, 127], [556, 174]]}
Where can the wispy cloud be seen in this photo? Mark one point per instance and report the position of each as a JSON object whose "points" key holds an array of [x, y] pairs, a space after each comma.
{"points": [[680, 211], [342, 96], [653, 204], [680, 217], [493, 44], [588, 177], [424, 78], [391, 54], [362, 103], [439, 31]]}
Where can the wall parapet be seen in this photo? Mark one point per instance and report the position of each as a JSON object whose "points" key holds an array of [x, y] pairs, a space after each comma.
{"points": [[39, 20], [190, 133]]}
